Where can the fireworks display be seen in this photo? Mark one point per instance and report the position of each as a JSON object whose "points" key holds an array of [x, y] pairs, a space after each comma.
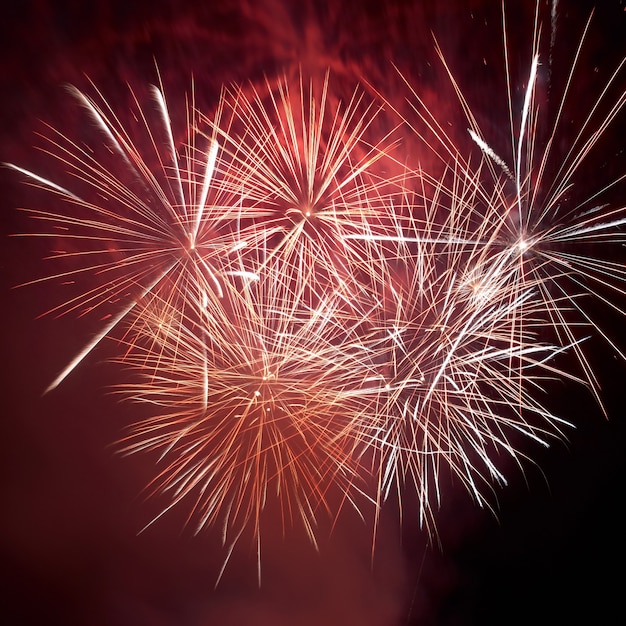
{"points": [[324, 296]]}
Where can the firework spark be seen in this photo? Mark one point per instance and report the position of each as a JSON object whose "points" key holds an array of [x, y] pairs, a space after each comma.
{"points": [[316, 170]]}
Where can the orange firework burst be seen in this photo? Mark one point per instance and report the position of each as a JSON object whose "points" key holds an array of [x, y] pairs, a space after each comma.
{"points": [[253, 402]]}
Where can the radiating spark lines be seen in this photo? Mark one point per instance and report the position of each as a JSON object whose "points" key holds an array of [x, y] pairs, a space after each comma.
{"points": [[312, 167], [559, 246], [446, 358], [152, 225], [277, 420]]}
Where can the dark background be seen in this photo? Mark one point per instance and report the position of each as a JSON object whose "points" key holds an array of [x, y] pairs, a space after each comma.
{"points": [[72, 508]]}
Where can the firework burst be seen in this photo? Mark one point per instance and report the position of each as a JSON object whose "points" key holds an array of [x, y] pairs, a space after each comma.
{"points": [[318, 171], [563, 246], [253, 403], [148, 215], [449, 372], [303, 312], [239, 319]]}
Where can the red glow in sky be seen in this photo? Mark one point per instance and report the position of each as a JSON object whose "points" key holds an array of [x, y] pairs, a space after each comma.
{"points": [[73, 507]]}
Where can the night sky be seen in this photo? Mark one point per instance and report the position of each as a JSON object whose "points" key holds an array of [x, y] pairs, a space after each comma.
{"points": [[72, 509]]}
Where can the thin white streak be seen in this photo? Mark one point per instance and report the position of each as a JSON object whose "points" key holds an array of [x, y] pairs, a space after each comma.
{"points": [[103, 333], [208, 176], [43, 181]]}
